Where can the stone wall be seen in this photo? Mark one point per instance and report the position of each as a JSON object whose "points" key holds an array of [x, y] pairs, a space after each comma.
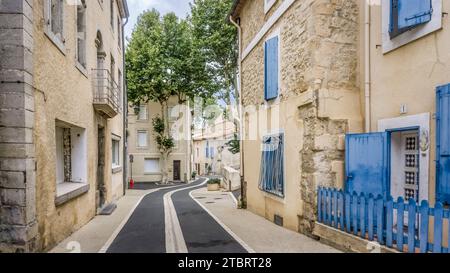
{"points": [[18, 228], [319, 101]]}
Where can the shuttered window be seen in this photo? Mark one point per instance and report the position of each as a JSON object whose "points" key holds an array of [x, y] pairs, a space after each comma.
{"points": [[443, 144], [272, 165], [408, 14], [271, 69]]}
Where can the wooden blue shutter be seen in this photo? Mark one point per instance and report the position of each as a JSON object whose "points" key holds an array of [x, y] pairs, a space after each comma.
{"points": [[271, 69], [443, 144], [413, 12], [367, 164]]}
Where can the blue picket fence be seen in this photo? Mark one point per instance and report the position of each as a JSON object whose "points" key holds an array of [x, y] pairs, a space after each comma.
{"points": [[405, 226]]}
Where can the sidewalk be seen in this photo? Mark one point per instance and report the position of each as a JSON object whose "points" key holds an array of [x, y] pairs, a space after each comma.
{"points": [[258, 233], [93, 236]]}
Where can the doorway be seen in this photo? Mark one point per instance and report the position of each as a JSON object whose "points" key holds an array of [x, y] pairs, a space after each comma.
{"points": [[177, 170], [405, 165], [101, 188]]}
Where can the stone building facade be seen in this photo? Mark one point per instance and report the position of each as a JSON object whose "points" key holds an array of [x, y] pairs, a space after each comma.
{"points": [[317, 102], [61, 119], [147, 165]]}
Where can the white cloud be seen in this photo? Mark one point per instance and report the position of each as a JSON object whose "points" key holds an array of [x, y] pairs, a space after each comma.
{"points": [[136, 7]]}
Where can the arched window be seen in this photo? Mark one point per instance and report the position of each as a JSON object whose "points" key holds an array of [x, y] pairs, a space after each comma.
{"points": [[81, 33]]}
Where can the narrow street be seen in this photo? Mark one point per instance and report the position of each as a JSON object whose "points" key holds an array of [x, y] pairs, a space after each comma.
{"points": [[150, 229], [184, 219]]}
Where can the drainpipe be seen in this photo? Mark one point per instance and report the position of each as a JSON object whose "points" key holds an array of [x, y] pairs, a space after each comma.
{"points": [[125, 113], [367, 85], [241, 115]]}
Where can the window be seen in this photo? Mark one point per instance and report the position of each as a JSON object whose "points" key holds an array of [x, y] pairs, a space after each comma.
{"points": [[119, 31], [151, 166], [408, 14], [119, 84], [115, 153], [142, 139], [268, 4], [54, 21], [207, 150], [71, 154], [271, 69], [81, 33], [143, 115], [112, 14], [404, 21], [113, 68], [272, 165]]}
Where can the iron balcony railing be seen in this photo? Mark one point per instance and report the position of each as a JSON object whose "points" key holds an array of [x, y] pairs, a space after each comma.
{"points": [[106, 92]]}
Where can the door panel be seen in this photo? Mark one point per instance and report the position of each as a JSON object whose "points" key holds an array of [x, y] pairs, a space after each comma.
{"points": [[443, 144], [367, 164], [177, 170]]}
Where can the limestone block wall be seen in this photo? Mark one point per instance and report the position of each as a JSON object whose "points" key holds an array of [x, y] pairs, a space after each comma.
{"points": [[319, 101], [18, 227]]}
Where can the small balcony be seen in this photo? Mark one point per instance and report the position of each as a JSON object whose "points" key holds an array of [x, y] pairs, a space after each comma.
{"points": [[106, 93]]}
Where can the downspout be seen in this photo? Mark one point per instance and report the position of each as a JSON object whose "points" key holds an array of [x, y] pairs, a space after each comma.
{"points": [[241, 115], [125, 113], [367, 85]]}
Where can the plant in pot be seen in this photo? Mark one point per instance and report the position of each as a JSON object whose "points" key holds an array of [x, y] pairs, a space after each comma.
{"points": [[214, 184], [194, 175]]}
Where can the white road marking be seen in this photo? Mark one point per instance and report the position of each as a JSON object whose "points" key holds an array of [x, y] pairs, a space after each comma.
{"points": [[125, 220], [234, 198], [226, 228], [175, 242]]}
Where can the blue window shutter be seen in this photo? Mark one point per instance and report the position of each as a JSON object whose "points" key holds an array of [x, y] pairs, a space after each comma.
{"points": [[367, 164], [414, 12], [443, 144], [271, 84], [272, 165]]}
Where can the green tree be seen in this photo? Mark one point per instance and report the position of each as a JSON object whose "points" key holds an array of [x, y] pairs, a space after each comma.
{"points": [[161, 63], [216, 39]]}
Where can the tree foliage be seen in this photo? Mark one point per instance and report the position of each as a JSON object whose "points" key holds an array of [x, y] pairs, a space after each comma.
{"points": [[216, 39]]}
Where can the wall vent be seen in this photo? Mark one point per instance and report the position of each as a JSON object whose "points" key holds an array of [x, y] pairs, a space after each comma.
{"points": [[278, 220]]}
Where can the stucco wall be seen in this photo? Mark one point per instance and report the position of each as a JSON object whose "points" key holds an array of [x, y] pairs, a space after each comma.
{"points": [[319, 101], [409, 76], [181, 151], [66, 94]]}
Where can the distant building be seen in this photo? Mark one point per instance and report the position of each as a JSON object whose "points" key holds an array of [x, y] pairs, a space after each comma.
{"points": [[61, 117], [210, 150], [148, 164]]}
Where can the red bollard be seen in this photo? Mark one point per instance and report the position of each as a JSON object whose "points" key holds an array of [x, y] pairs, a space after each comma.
{"points": [[131, 183]]}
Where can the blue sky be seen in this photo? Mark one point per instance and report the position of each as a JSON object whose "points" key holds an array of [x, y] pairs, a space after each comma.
{"points": [[136, 7]]}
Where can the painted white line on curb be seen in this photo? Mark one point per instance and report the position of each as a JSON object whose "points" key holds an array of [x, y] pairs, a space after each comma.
{"points": [[175, 242], [226, 228], [234, 198], [125, 220]]}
